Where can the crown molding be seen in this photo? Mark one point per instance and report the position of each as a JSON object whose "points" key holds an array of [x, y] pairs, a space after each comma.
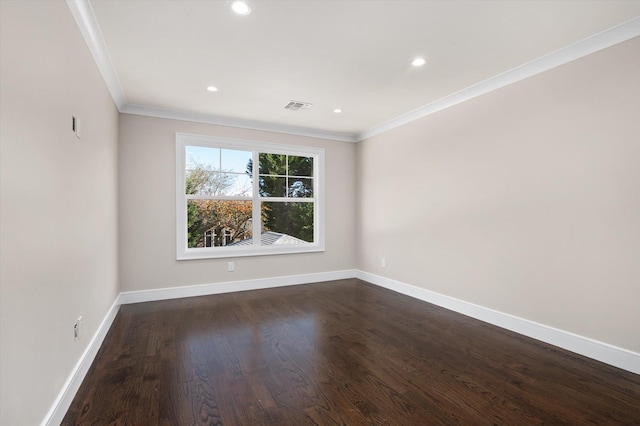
{"points": [[83, 14], [584, 47], [86, 20], [579, 49], [234, 122]]}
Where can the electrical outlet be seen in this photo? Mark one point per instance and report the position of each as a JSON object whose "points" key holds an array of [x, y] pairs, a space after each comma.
{"points": [[77, 329], [231, 266], [383, 262]]}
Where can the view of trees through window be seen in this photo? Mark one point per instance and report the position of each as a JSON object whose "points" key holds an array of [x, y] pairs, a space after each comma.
{"points": [[219, 185]]}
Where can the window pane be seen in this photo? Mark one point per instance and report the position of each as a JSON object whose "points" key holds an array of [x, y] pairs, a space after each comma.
{"points": [[300, 166], [224, 202], [273, 164], [272, 186], [218, 223], [202, 181], [202, 156], [300, 188], [236, 161], [241, 185], [287, 223]]}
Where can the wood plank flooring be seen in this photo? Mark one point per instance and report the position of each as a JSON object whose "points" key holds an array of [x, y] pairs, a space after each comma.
{"points": [[338, 353]]}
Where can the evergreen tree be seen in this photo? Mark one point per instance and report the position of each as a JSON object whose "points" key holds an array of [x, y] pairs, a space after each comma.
{"points": [[291, 177]]}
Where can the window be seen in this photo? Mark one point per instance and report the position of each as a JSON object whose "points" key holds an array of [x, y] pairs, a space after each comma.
{"points": [[243, 198]]}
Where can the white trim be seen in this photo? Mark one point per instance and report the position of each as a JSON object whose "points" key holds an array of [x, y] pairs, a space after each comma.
{"points": [[83, 14], [609, 354], [235, 122], [185, 253], [246, 251], [587, 46], [231, 286], [67, 393], [86, 20]]}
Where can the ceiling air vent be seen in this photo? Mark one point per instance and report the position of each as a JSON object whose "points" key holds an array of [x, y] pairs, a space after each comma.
{"points": [[297, 105]]}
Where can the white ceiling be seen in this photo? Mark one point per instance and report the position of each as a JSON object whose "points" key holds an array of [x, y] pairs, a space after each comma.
{"points": [[349, 54]]}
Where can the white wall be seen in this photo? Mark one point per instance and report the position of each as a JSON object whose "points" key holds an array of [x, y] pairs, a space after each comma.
{"points": [[147, 209], [58, 224], [525, 200]]}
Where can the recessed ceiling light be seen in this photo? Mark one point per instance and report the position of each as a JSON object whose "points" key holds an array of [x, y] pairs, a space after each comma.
{"points": [[337, 110], [212, 89], [418, 62], [241, 8]]}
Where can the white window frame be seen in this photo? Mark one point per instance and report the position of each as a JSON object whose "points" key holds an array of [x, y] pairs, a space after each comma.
{"points": [[183, 252]]}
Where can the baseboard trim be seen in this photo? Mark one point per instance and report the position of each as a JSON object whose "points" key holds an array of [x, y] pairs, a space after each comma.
{"points": [[67, 393], [600, 351], [230, 286], [609, 354]]}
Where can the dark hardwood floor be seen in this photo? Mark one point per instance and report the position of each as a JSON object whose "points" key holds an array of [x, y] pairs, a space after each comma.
{"points": [[343, 352]]}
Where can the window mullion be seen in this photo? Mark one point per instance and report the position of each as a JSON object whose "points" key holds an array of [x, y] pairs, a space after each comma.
{"points": [[216, 197], [289, 226], [257, 206], [286, 175], [289, 199]]}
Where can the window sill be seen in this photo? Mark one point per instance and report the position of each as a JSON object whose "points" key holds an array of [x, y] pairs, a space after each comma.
{"points": [[226, 252]]}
